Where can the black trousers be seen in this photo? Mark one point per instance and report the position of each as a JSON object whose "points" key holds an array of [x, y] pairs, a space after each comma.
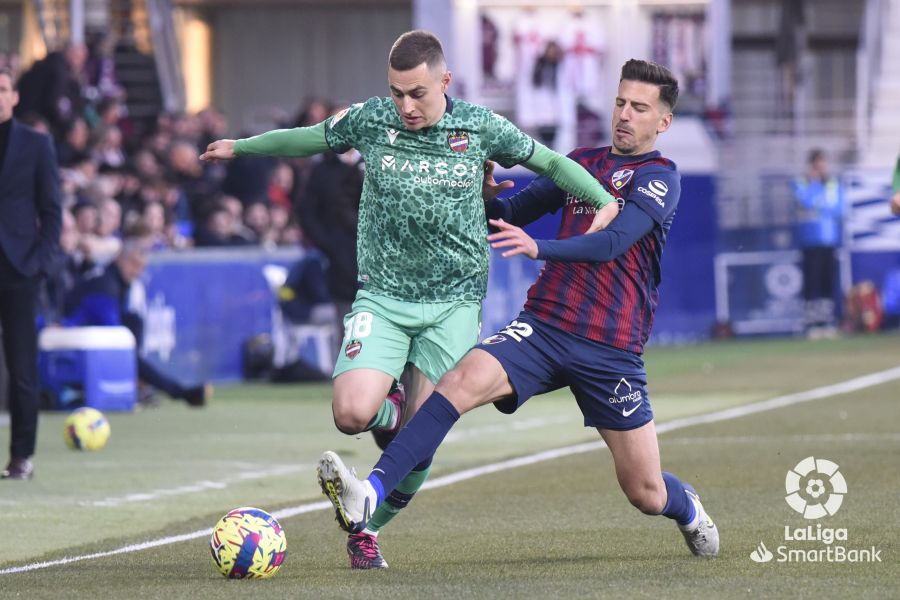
{"points": [[18, 308], [819, 272], [148, 373]]}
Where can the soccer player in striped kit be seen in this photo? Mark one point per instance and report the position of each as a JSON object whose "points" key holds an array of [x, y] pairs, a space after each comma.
{"points": [[584, 324]]}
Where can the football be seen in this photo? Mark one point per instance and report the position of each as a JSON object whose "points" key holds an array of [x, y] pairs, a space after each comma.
{"points": [[86, 429], [248, 543]]}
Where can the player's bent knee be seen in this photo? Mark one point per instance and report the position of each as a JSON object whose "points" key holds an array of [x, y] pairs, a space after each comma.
{"points": [[348, 427], [476, 380], [462, 388], [452, 380], [349, 420], [649, 498]]}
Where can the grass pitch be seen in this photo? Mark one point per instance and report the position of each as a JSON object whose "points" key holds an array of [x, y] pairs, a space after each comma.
{"points": [[558, 528]]}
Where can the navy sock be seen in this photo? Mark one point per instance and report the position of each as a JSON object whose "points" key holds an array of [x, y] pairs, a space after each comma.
{"points": [[416, 442], [678, 504]]}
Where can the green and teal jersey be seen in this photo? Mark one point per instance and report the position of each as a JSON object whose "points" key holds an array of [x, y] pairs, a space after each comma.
{"points": [[421, 219], [422, 229]]}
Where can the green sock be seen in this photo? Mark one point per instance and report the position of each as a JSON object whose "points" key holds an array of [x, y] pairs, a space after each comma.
{"points": [[385, 417], [397, 499]]}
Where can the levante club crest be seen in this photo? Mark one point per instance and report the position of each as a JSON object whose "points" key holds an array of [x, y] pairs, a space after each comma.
{"points": [[458, 141], [352, 349]]}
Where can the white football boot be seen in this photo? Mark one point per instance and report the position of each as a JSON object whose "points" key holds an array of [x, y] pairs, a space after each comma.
{"points": [[354, 500], [701, 534]]}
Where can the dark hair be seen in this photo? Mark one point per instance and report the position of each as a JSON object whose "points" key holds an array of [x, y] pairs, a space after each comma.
{"points": [[136, 231], [32, 118], [658, 75], [814, 155], [12, 77], [414, 48]]}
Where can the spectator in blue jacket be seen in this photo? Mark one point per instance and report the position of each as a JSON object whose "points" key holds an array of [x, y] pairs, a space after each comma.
{"points": [[103, 298], [821, 207]]}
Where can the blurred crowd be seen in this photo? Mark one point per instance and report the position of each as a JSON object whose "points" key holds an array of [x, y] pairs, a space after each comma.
{"points": [[123, 177]]}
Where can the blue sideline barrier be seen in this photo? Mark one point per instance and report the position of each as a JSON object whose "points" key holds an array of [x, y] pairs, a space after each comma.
{"points": [[203, 304]]}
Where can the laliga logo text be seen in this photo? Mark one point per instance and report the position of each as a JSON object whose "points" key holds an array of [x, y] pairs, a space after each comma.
{"points": [[815, 489]]}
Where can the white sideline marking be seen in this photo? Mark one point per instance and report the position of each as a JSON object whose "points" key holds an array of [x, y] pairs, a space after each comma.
{"points": [[851, 385], [513, 427], [197, 486], [763, 439], [172, 539], [4, 420]]}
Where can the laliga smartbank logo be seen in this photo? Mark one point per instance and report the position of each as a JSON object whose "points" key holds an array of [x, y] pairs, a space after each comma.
{"points": [[816, 474], [815, 489]]}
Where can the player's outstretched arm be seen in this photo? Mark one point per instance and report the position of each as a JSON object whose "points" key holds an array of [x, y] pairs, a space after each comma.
{"points": [[600, 246], [570, 176], [297, 142], [595, 247], [219, 150]]}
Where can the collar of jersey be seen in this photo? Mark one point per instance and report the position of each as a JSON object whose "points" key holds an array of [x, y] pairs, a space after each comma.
{"points": [[633, 157]]}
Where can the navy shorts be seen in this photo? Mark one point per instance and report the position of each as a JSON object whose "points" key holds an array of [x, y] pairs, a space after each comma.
{"points": [[610, 385]]}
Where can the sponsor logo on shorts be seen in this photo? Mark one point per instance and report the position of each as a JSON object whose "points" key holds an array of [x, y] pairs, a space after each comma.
{"points": [[627, 412], [352, 349], [624, 393], [494, 339]]}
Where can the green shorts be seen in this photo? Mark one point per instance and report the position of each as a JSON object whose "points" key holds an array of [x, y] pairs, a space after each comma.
{"points": [[384, 333]]}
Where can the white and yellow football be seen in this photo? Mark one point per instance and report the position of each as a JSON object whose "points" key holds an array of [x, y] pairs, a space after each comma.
{"points": [[86, 429], [248, 543]]}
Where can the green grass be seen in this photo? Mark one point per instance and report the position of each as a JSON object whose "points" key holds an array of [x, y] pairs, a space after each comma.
{"points": [[560, 528]]}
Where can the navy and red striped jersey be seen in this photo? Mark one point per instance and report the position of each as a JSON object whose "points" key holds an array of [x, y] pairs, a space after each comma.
{"points": [[611, 302]]}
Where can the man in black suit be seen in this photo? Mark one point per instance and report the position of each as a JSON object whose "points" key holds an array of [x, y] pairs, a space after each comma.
{"points": [[30, 223]]}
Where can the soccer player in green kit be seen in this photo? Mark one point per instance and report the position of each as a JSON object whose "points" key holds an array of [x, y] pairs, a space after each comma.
{"points": [[422, 251]]}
